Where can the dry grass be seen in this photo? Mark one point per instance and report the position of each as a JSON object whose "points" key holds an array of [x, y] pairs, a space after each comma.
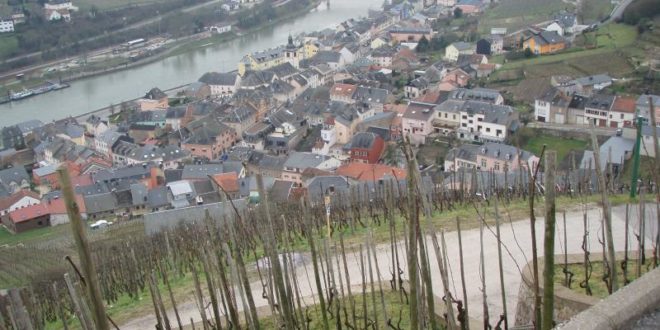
{"points": [[597, 285]]}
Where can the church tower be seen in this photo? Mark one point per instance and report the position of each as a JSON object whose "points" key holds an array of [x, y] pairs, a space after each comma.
{"points": [[292, 53]]}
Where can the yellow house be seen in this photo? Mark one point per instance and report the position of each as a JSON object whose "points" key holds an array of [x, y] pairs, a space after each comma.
{"points": [[378, 42], [546, 42], [310, 49], [266, 59]]}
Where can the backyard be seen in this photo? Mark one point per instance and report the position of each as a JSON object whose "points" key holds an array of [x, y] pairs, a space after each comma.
{"points": [[610, 38], [516, 14], [562, 145], [594, 10]]}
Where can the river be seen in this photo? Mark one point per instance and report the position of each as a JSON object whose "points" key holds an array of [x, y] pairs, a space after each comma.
{"points": [[100, 91]]}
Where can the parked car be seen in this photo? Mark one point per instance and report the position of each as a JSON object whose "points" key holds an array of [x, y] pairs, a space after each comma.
{"points": [[100, 224]]}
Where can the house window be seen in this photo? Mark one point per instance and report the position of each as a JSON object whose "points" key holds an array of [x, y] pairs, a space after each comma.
{"points": [[454, 116], [483, 163], [445, 115], [464, 125], [621, 116], [480, 119], [499, 132], [464, 117], [487, 129], [496, 167]]}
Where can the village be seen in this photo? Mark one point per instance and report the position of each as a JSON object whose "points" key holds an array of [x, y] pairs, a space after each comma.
{"points": [[509, 145], [323, 111]]}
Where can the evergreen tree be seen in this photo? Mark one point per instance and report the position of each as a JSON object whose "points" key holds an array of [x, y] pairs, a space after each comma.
{"points": [[423, 45], [458, 12]]}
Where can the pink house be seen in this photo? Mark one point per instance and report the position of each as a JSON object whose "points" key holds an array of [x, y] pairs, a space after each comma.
{"points": [[417, 121], [496, 157], [470, 7], [457, 77]]}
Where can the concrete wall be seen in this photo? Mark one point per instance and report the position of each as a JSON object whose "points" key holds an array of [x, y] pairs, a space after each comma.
{"points": [[624, 307], [567, 302]]}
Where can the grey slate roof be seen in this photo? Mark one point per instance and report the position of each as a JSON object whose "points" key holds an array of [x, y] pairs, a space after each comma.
{"points": [[281, 190], [219, 79], [454, 106], [283, 70], [476, 94], [643, 101], [371, 94], [419, 111], [303, 160], [158, 197], [28, 126], [600, 101], [203, 171], [318, 186], [565, 19], [13, 174], [109, 137], [269, 162], [105, 202], [45, 170], [619, 148], [170, 219], [138, 194], [363, 140], [594, 80], [125, 173], [176, 112]]}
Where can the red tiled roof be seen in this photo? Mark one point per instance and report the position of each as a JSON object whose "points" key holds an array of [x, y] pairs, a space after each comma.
{"points": [[82, 180], [57, 206], [370, 172], [398, 108], [54, 206], [345, 90], [228, 181], [8, 201], [432, 97], [624, 104], [28, 213]]}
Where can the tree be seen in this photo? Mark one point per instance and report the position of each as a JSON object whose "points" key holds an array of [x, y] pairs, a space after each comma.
{"points": [[528, 53], [458, 12], [423, 45]]}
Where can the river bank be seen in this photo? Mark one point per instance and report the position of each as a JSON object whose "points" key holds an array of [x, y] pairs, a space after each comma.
{"points": [[181, 66], [177, 47]]}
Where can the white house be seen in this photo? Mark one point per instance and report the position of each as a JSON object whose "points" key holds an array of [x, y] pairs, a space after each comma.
{"points": [[328, 138], [459, 48], [481, 121], [21, 199], [60, 5], [221, 84], [220, 29], [556, 27], [6, 25]]}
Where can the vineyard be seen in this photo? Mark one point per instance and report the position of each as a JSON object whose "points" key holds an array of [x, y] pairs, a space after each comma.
{"points": [[397, 254]]}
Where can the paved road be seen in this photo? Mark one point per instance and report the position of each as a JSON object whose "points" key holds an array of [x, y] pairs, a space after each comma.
{"points": [[618, 10], [513, 262]]}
